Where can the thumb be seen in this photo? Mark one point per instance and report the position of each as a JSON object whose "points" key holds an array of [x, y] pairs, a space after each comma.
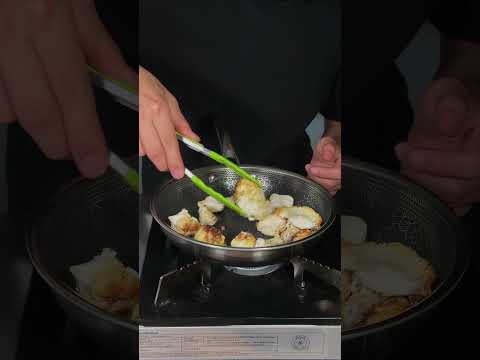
{"points": [[328, 152]]}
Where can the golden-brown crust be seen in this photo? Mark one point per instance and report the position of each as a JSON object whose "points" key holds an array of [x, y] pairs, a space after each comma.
{"points": [[184, 223], [389, 308], [119, 286], [190, 228], [289, 232], [244, 239], [210, 235], [246, 187], [251, 199], [302, 234]]}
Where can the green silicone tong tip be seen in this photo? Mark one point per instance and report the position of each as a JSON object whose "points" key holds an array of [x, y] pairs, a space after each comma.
{"points": [[196, 146], [216, 195]]}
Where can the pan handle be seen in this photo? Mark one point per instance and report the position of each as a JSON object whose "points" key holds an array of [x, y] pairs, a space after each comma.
{"points": [[226, 146]]}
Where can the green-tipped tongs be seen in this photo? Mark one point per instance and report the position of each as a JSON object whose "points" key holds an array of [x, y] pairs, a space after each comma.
{"points": [[196, 146], [217, 157]]}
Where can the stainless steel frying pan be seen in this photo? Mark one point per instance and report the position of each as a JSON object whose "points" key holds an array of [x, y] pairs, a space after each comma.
{"points": [[175, 195], [74, 226], [397, 210]]}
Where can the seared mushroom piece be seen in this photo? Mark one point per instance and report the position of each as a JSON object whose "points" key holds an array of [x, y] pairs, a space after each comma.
{"points": [[184, 223], [210, 235], [244, 239]]}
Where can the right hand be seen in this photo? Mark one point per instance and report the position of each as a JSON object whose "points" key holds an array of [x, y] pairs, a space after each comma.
{"points": [[44, 80], [325, 168], [443, 148], [160, 118]]}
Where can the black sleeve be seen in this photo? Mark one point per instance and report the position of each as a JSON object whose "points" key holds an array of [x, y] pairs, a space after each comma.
{"points": [[458, 19], [332, 111]]}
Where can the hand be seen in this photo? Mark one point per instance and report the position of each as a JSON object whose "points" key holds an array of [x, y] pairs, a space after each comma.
{"points": [[326, 165], [160, 117], [44, 82], [443, 149]]}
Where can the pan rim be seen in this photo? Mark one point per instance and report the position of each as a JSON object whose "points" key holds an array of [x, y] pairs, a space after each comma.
{"points": [[324, 227]]}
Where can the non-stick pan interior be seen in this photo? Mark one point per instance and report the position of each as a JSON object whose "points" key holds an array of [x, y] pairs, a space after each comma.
{"points": [[176, 195]]}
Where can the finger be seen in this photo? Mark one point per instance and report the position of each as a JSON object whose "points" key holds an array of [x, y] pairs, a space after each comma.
{"points": [[29, 94], [450, 190], [455, 164], [6, 113], [327, 183], [166, 132], [332, 188], [328, 152], [152, 146], [322, 163], [154, 150], [324, 141], [149, 140], [179, 121], [327, 173], [99, 47], [443, 108], [65, 65]]}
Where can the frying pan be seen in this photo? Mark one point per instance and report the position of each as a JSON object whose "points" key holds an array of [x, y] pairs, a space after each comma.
{"points": [[175, 195], [397, 210], [72, 227]]}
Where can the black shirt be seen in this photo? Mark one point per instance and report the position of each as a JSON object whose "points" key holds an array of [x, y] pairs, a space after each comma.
{"points": [[260, 66]]}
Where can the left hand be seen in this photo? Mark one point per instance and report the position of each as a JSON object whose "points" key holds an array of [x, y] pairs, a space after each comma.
{"points": [[443, 149], [325, 168]]}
